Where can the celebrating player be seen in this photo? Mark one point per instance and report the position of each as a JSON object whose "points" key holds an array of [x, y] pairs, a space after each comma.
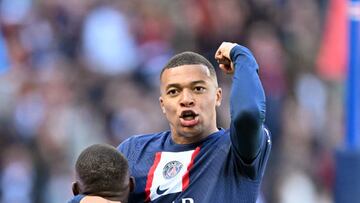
{"points": [[197, 162]]}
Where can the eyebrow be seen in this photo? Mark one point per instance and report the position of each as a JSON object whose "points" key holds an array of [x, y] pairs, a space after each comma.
{"points": [[177, 85]]}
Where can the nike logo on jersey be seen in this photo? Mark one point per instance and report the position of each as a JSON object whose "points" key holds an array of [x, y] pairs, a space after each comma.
{"points": [[160, 191], [170, 170]]}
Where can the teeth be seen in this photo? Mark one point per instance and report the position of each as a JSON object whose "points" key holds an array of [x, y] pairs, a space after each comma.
{"points": [[188, 117], [188, 113]]}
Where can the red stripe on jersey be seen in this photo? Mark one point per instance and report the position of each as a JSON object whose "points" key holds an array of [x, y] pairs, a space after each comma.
{"points": [[186, 177], [150, 176]]}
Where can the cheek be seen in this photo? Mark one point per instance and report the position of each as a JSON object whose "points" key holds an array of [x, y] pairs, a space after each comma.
{"points": [[170, 109], [209, 101], [170, 114], [209, 105]]}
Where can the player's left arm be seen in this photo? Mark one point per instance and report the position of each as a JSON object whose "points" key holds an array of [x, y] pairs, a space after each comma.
{"points": [[247, 100]]}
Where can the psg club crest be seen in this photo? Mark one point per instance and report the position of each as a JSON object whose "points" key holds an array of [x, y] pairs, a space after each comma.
{"points": [[171, 169]]}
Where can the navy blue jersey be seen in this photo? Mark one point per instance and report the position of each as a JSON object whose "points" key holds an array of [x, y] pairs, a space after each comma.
{"points": [[227, 166]]}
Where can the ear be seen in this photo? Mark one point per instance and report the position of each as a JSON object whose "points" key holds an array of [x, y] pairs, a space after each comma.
{"points": [[132, 184], [218, 96], [161, 100], [75, 188]]}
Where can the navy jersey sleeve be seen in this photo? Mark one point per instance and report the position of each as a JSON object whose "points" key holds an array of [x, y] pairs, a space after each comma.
{"points": [[247, 106]]}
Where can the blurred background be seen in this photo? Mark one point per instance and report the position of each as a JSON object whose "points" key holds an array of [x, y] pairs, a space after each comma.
{"points": [[74, 73]]}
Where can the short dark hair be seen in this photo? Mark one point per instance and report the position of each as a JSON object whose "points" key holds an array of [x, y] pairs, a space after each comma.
{"points": [[189, 58], [101, 168]]}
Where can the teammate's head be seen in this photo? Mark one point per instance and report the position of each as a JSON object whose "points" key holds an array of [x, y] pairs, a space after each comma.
{"points": [[189, 96], [103, 171]]}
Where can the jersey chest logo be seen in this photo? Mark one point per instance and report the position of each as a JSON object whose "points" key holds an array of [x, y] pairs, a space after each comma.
{"points": [[171, 169], [169, 173]]}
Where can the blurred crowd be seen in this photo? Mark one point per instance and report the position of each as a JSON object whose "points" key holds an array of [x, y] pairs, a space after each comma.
{"points": [[74, 73]]}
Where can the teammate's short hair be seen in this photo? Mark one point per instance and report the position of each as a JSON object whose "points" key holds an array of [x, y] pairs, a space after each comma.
{"points": [[189, 58], [102, 169]]}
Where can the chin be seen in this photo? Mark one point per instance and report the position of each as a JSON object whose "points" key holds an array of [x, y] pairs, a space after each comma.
{"points": [[190, 131]]}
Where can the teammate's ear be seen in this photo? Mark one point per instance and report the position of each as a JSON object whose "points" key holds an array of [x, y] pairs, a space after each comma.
{"points": [[132, 183], [162, 104], [218, 97], [75, 188]]}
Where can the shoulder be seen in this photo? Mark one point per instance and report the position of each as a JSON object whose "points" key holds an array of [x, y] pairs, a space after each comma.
{"points": [[217, 141], [138, 141]]}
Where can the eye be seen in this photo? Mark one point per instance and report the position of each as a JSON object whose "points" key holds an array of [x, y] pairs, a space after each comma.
{"points": [[199, 89], [172, 92]]}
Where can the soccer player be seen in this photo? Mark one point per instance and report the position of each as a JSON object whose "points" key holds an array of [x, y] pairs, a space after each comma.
{"points": [[102, 176], [197, 162]]}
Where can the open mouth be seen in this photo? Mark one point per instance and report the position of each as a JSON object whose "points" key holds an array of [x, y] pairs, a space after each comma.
{"points": [[188, 115], [189, 118]]}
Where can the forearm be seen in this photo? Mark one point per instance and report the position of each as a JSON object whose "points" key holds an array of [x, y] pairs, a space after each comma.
{"points": [[247, 104]]}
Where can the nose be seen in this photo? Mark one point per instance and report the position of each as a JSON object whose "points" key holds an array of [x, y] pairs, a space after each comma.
{"points": [[187, 99]]}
